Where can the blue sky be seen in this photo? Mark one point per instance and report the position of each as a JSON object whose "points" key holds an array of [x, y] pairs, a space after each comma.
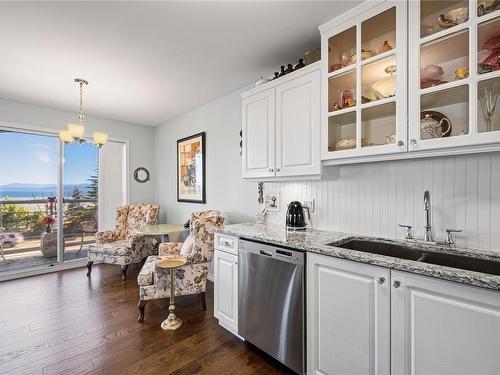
{"points": [[27, 158]]}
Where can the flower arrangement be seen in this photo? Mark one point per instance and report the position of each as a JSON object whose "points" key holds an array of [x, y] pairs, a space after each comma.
{"points": [[48, 221], [48, 218]]}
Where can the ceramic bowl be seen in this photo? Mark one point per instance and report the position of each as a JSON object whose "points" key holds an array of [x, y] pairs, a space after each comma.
{"points": [[345, 143], [431, 72], [459, 15]]}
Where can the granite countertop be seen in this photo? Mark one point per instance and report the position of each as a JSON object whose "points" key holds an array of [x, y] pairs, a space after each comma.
{"points": [[316, 241]]}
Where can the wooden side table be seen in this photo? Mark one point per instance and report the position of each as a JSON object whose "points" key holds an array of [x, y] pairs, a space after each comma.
{"points": [[172, 322]]}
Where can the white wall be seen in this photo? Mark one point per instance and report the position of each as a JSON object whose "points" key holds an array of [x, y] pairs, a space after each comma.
{"points": [[140, 137], [226, 190], [374, 198]]}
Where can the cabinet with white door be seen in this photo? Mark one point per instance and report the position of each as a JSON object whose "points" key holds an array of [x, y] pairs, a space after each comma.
{"points": [[364, 82], [440, 327], [348, 317], [454, 74], [280, 126], [407, 79], [364, 319], [226, 282]]}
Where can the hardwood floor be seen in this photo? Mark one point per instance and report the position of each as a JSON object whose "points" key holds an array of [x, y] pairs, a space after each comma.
{"points": [[65, 323]]}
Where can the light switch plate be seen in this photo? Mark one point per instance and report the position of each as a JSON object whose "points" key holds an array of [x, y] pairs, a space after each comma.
{"points": [[309, 202]]}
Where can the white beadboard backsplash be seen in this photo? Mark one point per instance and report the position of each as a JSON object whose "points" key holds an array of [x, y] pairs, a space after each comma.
{"points": [[373, 198]]}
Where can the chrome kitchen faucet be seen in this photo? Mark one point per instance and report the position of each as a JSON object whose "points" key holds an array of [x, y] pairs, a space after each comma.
{"points": [[427, 210]]}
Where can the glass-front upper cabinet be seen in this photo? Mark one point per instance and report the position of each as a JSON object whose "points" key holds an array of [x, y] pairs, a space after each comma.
{"points": [[454, 73], [364, 85]]}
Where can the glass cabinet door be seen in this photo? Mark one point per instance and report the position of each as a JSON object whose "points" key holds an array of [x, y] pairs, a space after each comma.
{"points": [[366, 83], [454, 65]]}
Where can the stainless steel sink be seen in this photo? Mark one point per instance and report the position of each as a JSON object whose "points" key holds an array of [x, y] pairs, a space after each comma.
{"points": [[381, 248], [462, 262], [409, 253]]}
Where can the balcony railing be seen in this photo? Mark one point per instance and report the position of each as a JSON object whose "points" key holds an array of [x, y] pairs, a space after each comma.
{"points": [[29, 245]]}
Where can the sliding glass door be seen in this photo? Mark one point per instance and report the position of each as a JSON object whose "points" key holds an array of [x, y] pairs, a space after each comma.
{"points": [[54, 197], [28, 200], [40, 178]]}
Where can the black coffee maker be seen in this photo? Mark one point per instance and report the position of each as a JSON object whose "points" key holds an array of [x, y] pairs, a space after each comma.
{"points": [[295, 218]]}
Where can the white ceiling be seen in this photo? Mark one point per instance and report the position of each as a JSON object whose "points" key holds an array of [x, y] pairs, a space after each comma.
{"points": [[149, 61]]}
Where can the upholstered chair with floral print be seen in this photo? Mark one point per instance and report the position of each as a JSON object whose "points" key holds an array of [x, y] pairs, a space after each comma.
{"points": [[124, 245], [154, 282]]}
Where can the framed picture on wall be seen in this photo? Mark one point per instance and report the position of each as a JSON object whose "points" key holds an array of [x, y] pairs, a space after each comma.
{"points": [[191, 169]]}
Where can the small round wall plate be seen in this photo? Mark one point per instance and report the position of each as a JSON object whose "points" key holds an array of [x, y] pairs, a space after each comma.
{"points": [[141, 175]]}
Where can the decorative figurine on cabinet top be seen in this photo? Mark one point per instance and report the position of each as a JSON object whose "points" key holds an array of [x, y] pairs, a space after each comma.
{"points": [[300, 64], [289, 69]]}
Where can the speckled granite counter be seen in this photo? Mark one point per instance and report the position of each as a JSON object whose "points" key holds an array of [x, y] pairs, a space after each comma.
{"points": [[317, 241]]}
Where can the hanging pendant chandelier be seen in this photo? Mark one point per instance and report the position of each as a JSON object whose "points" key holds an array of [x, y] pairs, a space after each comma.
{"points": [[75, 130]]}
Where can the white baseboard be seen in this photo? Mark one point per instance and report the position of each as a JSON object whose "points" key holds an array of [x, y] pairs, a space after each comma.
{"points": [[210, 277], [17, 274]]}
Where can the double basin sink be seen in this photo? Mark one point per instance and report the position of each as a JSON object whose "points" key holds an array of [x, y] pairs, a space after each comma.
{"points": [[415, 254]]}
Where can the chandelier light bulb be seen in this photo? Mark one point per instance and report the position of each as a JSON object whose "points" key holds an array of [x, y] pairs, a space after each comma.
{"points": [[76, 130], [100, 138], [65, 136]]}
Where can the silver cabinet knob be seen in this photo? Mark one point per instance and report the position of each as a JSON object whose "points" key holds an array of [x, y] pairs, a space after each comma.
{"points": [[271, 170], [381, 280], [277, 169], [396, 284], [413, 141], [401, 143]]}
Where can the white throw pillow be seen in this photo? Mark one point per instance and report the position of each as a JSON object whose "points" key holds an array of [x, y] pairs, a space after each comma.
{"points": [[187, 246]]}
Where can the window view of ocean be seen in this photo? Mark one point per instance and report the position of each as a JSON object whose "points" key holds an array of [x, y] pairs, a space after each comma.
{"points": [[41, 192]]}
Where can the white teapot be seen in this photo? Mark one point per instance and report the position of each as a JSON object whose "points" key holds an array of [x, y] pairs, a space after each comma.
{"points": [[431, 128]]}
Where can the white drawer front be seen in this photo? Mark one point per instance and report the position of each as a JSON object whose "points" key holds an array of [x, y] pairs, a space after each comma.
{"points": [[226, 243]]}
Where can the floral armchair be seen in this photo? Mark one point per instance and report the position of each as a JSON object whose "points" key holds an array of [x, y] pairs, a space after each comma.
{"points": [[154, 282], [123, 245]]}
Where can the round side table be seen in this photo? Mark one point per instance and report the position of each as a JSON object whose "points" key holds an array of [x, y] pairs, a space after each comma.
{"points": [[172, 322]]}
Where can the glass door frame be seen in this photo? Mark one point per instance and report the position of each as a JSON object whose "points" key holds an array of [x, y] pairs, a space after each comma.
{"points": [[400, 53], [415, 93]]}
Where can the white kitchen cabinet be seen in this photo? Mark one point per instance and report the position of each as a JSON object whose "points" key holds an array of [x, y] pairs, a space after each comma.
{"points": [[446, 77], [444, 69], [297, 126], [226, 290], [444, 328], [258, 135], [348, 317], [364, 319], [281, 125], [364, 92]]}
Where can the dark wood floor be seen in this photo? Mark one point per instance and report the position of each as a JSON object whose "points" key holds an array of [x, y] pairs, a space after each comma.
{"points": [[64, 323]]}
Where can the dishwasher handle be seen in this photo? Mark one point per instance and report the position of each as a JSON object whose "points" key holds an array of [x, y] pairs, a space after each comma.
{"points": [[270, 251]]}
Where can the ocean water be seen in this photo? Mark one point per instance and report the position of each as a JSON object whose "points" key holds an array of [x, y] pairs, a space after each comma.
{"points": [[16, 194]]}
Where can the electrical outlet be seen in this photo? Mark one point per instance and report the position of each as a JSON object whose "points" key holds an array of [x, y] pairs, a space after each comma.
{"points": [[309, 203]]}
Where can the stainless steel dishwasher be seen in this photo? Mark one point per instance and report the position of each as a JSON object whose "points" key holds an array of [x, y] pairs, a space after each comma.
{"points": [[271, 301]]}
